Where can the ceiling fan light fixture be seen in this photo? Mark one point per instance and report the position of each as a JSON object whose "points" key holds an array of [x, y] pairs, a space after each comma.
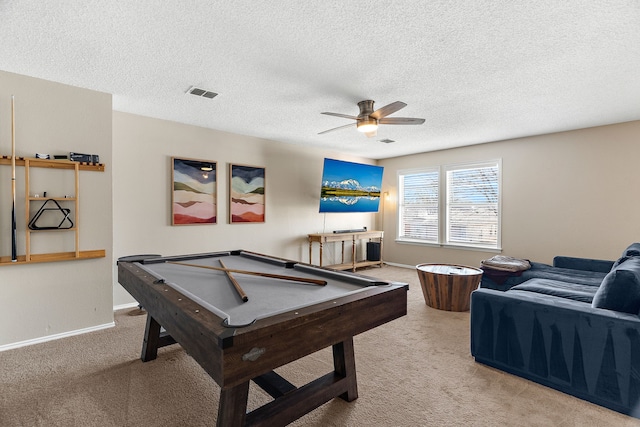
{"points": [[367, 125], [368, 120]]}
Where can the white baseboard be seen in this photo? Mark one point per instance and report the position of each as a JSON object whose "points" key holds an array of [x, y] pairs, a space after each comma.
{"points": [[55, 337], [394, 264], [123, 306]]}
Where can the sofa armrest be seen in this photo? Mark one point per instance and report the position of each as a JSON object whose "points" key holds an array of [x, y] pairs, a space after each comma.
{"points": [[585, 264], [588, 352]]}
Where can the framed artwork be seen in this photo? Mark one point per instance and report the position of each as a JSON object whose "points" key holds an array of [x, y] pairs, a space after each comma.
{"points": [[246, 194], [194, 192]]}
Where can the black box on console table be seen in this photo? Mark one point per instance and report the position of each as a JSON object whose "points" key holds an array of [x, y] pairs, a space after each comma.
{"points": [[84, 158], [373, 251]]}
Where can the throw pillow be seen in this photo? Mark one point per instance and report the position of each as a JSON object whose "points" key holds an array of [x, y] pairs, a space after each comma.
{"points": [[618, 262], [620, 289], [632, 250]]}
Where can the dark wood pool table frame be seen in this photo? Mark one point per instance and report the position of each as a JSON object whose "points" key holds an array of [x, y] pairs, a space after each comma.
{"points": [[235, 356]]}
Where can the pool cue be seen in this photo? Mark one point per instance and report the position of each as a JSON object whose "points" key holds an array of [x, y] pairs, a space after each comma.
{"points": [[236, 285], [14, 256], [255, 273]]}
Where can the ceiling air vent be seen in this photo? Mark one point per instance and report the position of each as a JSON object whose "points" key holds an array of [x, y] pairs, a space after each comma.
{"points": [[201, 92], [387, 141]]}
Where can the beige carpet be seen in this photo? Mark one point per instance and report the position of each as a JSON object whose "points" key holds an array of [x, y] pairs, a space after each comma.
{"points": [[414, 371]]}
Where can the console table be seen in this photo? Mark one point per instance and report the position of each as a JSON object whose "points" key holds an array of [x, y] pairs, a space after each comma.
{"points": [[352, 237]]}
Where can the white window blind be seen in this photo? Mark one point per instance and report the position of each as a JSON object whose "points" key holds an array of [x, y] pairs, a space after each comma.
{"points": [[472, 215], [419, 205], [455, 205]]}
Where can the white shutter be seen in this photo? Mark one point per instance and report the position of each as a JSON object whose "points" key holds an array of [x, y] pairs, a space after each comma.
{"points": [[418, 205], [472, 210]]}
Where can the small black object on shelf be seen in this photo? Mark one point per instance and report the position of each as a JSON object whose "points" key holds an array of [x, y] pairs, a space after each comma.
{"points": [[63, 211], [373, 251], [86, 158]]}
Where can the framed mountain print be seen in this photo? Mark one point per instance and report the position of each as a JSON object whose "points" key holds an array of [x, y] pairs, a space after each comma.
{"points": [[246, 194], [193, 195]]}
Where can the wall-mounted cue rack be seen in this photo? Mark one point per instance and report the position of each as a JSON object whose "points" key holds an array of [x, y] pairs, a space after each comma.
{"points": [[66, 204]]}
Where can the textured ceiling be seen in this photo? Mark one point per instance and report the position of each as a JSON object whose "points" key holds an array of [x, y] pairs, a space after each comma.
{"points": [[477, 71]]}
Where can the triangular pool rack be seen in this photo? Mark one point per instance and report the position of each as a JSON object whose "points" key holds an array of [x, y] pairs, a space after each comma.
{"points": [[64, 212]]}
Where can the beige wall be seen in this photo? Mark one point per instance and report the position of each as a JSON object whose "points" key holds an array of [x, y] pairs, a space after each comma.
{"points": [[143, 148], [571, 193], [567, 193], [52, 299]]}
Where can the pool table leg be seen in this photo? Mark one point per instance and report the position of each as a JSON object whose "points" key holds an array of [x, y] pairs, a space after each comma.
{"points": [[290, 403], [232, 408], [151, 340], [344, 364], [154, 338]]}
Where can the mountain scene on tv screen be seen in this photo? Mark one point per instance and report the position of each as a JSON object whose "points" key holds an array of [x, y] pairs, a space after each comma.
{"points": [[350, 187]]}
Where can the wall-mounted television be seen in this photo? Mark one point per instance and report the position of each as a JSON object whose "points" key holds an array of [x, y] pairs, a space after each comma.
{"points": [[350, 187]]}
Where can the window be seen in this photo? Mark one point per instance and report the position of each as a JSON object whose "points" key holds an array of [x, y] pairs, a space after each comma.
{"points": [[454, 205], [472, 205], [418, 205]]}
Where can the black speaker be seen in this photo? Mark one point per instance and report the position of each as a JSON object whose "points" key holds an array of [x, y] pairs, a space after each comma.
{"points": [[373, 251]]}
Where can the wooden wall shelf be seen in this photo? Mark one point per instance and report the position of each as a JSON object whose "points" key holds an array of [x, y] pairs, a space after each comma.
{"points": [[76, 254], [52, 257], [54, 164]]}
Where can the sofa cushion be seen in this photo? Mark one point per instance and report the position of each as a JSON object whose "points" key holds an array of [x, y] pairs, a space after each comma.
{"points": [[585, 264], [545, 271], [557, 288], [620, 289]]}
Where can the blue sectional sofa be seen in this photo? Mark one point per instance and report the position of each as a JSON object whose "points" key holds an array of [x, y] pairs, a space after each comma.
{"points": [[573, 326]]}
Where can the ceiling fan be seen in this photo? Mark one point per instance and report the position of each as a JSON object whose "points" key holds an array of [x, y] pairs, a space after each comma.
{"points": [[368, 120]]}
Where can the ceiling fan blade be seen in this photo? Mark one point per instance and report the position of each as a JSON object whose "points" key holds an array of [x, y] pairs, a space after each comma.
{"points": [[372, 133], [387, 109], [401, 121], [346, 116], [338, 128]]}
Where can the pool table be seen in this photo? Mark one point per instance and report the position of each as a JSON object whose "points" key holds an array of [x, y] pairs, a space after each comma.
{"points": [[270, 317]]}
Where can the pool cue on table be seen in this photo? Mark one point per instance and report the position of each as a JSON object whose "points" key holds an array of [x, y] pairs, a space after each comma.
{"points": [[236, 285], [255, 273], [14, 256]]}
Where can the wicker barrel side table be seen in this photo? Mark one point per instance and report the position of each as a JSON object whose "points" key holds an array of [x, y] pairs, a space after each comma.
{"points": [[447, 286]]}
